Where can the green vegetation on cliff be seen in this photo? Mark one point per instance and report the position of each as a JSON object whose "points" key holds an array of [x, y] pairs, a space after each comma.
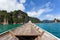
{"points": [[34, 20], [16, 16]]}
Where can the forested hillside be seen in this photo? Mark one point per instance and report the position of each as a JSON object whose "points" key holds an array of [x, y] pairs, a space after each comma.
{"points": [[16, 16]]}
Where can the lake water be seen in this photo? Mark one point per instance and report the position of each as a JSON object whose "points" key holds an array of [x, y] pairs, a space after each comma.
{"points": [[8, 27], [53, 28]]}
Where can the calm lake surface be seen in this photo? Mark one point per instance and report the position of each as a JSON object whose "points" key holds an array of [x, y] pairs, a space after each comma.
{"points": [[53, 28]]}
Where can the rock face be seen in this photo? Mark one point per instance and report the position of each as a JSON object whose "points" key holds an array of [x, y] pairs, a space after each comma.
{"points": [[55, 20], [26, 19]]}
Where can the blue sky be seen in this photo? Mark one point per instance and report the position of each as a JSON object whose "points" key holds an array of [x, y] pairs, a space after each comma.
{"points": [[42, 9]]}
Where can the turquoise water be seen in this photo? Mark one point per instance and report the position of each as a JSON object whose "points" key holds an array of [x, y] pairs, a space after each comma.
{"points": [[8, 27], [53, 28]]}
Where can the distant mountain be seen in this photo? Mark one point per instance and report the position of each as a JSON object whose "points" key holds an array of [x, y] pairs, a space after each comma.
{"points": [[47, 21], [50, 21]]}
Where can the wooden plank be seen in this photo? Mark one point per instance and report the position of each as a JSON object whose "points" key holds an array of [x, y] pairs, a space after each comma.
{"points": [[26, 29], [7, 36]]}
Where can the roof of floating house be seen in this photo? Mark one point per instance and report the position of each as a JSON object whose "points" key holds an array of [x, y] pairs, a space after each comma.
{"points": [[8, 27]]}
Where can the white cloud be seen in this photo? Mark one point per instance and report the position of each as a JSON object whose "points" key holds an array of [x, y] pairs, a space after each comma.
{"points": [[47, 4], [51, 17], [35, 14], [48, 9], [57, 17], [40, 11], [11, 5], [22, 1]]}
